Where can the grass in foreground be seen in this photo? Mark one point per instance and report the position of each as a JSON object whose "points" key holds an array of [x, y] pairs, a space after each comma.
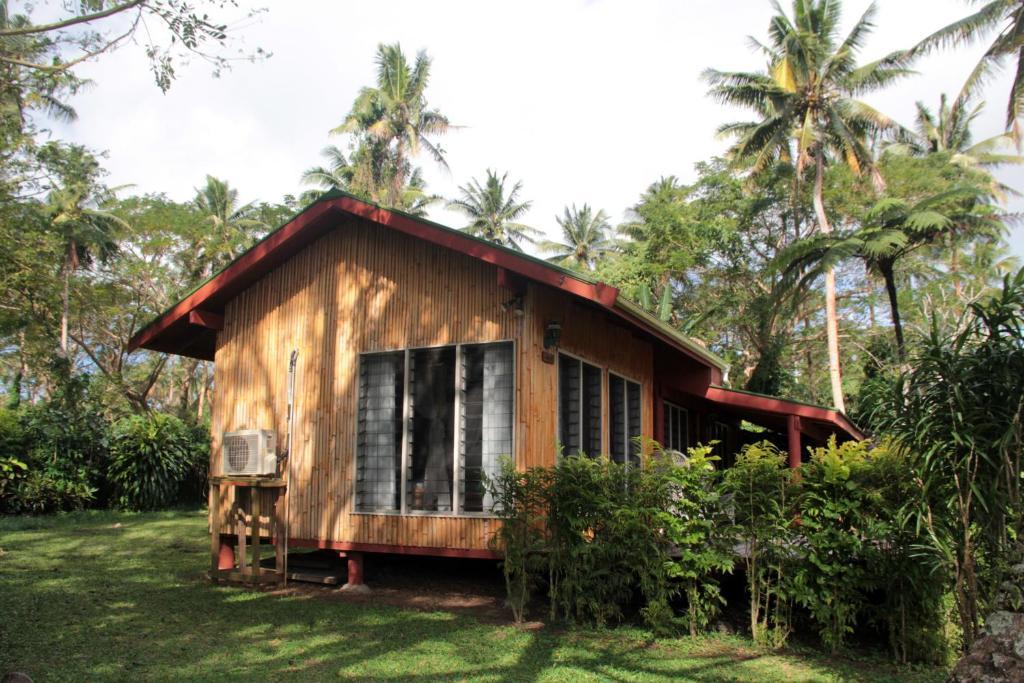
{"points": [[84, 599]]}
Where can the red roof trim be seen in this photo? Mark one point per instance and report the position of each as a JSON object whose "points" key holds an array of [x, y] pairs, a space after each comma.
{"points": [[778, 406]]}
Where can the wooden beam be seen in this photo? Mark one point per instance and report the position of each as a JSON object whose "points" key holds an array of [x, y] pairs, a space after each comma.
{"points": [[207, 319], [793, 429]]}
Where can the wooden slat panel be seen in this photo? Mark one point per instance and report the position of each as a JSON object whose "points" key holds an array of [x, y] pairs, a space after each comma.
{"points": [[365, 288]]}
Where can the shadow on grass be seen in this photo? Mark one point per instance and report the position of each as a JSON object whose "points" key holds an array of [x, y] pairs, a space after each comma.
{"points": [[86, 599]]}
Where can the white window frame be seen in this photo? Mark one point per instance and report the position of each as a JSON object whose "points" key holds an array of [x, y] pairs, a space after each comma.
{"points": [[625, 413], [403, 481], [669, 405], [558, 399]]}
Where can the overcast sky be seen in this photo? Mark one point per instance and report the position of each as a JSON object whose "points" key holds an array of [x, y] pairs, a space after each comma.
{"points": [[585, 102]]}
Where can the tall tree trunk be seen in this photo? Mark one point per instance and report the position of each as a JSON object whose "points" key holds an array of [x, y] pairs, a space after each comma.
{"points": [[894, 306], [203, 384], [831, 317], [954, 269], [66, 303]]}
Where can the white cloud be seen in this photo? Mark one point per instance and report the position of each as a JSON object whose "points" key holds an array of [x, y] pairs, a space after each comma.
{"points": [[585, 101]]}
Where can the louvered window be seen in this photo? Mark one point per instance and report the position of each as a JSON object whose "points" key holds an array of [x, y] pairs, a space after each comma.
{"points": [[431, 429], [676, 428], [379, 449], [433, 424], [486, 389], [579, 406], [624, 419]]}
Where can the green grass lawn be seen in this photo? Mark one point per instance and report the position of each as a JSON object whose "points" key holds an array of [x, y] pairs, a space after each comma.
{"points": [[82, 598]]}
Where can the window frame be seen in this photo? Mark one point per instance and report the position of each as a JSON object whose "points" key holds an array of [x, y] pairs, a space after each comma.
{"points": [[668, 406], [403, 482], [558, 402], [640, 389]]}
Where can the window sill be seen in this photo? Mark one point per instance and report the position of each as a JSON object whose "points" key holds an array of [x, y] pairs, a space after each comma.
{"points": [[425, 513]]}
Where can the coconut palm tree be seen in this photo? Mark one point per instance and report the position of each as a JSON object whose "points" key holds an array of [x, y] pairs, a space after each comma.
{"points": [[494, 210], [808, 113], [1006, 19], [337, 174], [584, 237], [948, 129], [393, 122], [86, 232], [229, 228]]}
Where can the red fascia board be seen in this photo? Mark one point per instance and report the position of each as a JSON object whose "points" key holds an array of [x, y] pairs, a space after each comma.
{"points": [[264, 252], [352, 546], [780, 406]]}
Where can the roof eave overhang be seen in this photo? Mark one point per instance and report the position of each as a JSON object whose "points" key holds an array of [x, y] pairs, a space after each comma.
{"points": [[782, 407]]}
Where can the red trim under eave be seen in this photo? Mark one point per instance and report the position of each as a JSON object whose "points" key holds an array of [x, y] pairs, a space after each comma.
{"points": [[351, 546], [780, 406], [600, 293]]}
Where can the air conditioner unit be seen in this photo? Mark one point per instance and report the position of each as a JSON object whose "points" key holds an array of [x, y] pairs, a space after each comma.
{"points": [[249, 452]]}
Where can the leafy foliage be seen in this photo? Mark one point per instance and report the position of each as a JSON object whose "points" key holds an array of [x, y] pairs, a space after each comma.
{"points": [[959, 408], [150, 457], [759, 490]]}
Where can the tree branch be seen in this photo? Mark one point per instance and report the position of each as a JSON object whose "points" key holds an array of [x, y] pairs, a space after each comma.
{"points": [[72, 21]]}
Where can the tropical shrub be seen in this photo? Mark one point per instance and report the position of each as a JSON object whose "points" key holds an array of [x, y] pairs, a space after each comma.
{"points": [[150, 456], [959, 409], [759, 489], [50, 490], [837, 532], [694, 522], [521, 500], [602, 535]]}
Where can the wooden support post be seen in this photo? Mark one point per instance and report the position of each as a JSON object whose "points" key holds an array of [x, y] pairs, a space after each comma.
{"points": [[239, 513], [279, 535], [255, 497], [215, 549], [793, 429]]}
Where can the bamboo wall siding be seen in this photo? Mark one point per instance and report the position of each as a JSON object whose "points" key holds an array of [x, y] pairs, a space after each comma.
{"points": [[362, 288]]}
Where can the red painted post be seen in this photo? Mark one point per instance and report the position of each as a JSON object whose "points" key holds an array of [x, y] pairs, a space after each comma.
{"points": [[355, 569], [793, 428], [226, 556]]}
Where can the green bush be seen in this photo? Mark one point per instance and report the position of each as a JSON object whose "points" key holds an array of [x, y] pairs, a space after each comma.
{"points": [[44, 491], [150, 457], [602, 534], [759, 489]]}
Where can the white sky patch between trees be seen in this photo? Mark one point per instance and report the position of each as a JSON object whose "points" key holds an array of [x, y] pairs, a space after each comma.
{"points": [[584, 101]]}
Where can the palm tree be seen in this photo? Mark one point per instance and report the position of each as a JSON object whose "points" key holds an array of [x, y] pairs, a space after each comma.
{"points": [[233, 227], [1006, 18], [891, 230], [948, 129], [87, 233], [808, 113], [494, 214], [394, 122], [336, 175], [584, 237]]}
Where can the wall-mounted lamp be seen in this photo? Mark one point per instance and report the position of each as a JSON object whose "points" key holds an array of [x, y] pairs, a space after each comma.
{"points": [[552, 335]]}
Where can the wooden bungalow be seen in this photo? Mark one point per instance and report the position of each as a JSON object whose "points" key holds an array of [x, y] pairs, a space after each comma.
{"points": [[425, 355]]}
